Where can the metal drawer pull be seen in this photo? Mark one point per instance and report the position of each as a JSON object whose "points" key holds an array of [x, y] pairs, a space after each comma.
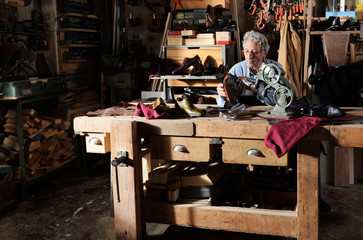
{"points": [[95, 141], [254, 152], [180, 148]]}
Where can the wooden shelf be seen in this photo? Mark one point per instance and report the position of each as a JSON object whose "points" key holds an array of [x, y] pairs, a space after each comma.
{"points": [[78, 30], [78, 61], [333, 32], [78, 45], [79, 15]]}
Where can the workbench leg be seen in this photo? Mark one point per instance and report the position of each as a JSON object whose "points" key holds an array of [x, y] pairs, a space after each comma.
{"points": [[126, 182], [308, 190]]}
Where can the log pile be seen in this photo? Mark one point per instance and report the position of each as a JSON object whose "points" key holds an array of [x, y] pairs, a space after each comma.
{"points": [[78, 103], [47, 142]]}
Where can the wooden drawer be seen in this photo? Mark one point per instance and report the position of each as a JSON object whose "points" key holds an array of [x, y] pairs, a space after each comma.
{"points": [[250, 152], [182, 148], [98, 143]]}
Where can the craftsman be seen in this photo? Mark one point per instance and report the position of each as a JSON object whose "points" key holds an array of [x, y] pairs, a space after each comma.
{"points": [[255, 47]]}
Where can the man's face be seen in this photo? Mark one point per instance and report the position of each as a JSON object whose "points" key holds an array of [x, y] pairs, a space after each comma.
{"points": [[254, 56]]}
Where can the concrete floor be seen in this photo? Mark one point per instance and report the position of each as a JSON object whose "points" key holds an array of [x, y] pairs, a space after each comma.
{"points": [[70, 206]]}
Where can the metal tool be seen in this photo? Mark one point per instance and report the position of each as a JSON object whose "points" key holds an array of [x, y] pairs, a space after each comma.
{"points": [[121, 160], [236, 111], [284, 93]]}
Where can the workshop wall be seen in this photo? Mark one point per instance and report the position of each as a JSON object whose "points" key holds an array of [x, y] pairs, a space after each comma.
{"points": [[49, 37]]}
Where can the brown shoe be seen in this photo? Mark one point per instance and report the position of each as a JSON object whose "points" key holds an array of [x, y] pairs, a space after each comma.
{"points": [[229, 88]]}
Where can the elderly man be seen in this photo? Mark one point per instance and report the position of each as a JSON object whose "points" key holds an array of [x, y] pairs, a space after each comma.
{"points": [[255, 47]]}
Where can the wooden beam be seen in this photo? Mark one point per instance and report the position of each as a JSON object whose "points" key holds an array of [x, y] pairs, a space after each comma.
{"points": [[308, 190], [126, 185], [262, 221]]}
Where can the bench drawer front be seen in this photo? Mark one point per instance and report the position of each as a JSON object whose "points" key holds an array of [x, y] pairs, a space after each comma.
{"points": [[98, 143], [250, 152], [182, 148]]}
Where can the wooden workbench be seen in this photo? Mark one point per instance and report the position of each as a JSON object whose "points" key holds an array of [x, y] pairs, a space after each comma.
{"points": [[132, 210]]}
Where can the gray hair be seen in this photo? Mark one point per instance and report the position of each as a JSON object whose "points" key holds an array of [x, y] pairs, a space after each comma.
{"points": [[257, 37]]}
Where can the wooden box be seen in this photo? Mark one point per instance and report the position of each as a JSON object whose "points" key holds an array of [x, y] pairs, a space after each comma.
{"points": [[175, 40], [199, 41]]}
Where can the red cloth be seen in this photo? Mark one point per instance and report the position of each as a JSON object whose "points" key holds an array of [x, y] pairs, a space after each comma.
{"points": [[283, 135], [145, 111]]}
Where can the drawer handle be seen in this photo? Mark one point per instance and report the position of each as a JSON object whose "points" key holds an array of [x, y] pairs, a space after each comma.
{"points": [[180, 148], [254, 152], [95, 141]]}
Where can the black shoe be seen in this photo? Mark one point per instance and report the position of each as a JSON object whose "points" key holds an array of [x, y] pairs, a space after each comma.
{"points": [[323, 206], [324, 110]]}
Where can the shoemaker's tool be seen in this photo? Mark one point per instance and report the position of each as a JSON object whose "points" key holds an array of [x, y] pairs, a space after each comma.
{"points": [[175, 3], [237, 110], [284, 92]]}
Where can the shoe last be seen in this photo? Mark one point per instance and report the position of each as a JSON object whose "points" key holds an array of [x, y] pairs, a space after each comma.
{"points": [[188, 107], [229, 84]]}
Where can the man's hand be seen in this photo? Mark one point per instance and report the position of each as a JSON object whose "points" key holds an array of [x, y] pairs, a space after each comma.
{"points": [[242, 86], [220, 90]]}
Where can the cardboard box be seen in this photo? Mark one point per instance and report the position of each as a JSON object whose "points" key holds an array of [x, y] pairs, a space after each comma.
{"points": [[188, 33], [200, 41], [205, 3], [225, 42], [175, 40], [223, 36], [205, 35]]}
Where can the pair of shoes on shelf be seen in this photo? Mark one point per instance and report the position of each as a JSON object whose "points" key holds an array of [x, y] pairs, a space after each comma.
{"points": [[195, 61], [188, 107]]}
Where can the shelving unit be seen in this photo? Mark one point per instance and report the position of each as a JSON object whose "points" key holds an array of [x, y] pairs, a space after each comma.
{"points": [[78, 47], [225, 55]]}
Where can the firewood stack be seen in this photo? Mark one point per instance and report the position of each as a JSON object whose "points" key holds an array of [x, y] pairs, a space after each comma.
{"points": [[78, 103], [47, 142]]}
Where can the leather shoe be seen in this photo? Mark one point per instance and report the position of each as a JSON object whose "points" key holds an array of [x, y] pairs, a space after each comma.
{"points": [[188, 107], [229, 85], [187, 62], [197, 70], [324, 110]]}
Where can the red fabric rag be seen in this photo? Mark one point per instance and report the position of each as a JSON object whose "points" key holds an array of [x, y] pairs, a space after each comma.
{"points": [[283, 135], [145, 111]]}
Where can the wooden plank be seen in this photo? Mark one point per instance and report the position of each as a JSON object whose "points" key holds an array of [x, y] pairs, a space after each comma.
{"points": [[262, 221], [343, 159], [193, 83], [308, 190], [126, 185], [349, 135], [232, 129]]}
